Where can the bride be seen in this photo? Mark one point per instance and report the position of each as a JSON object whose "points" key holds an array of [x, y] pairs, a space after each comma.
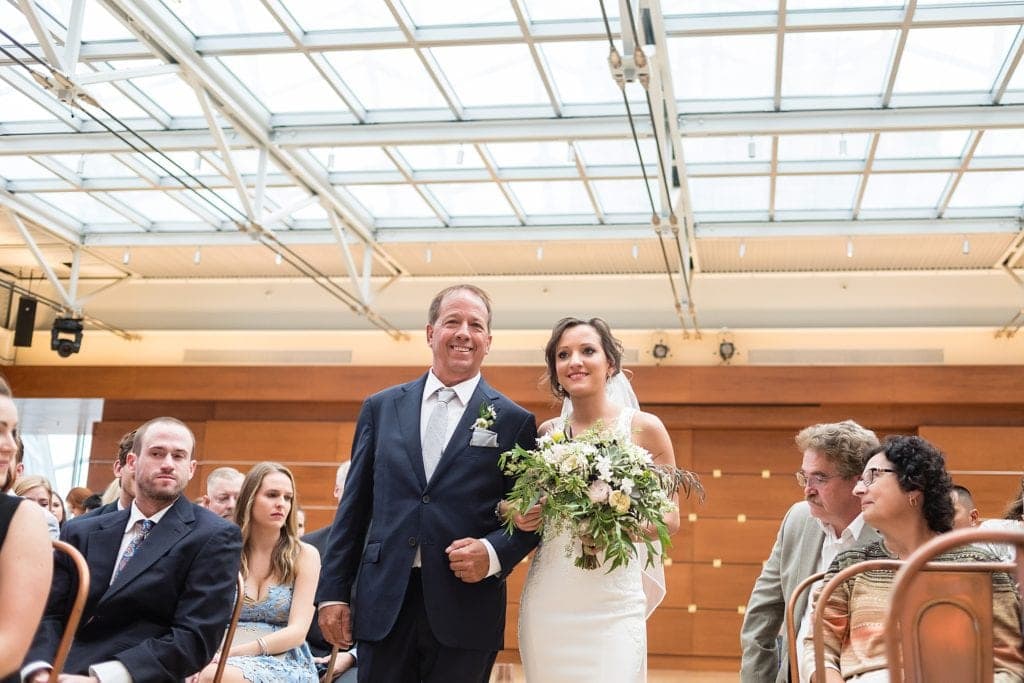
{"points": [[578, 624]]}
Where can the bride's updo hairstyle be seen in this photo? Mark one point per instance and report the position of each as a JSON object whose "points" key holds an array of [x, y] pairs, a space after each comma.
{"points": [[612, 349]]}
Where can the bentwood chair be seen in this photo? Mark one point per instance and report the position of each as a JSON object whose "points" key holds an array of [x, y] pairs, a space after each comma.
{"points": [[229, 636], [792, 626], [77, 607], [327, 677], [940, 618]]}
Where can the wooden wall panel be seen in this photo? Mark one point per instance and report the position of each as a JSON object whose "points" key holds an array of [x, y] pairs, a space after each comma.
{"points": [[751, 495], [992, 492], [733, 542], [978, 448], [741, 451], [257, 441]]}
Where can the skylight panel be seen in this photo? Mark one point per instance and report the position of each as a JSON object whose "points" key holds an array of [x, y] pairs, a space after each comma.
{"points": [[803, 193], [93, 165], [836, 63], [624, 196], [492, 75], [998, 143], [317, 15], [99, 24], [204, 18], [285, 83], [390, 201], [616, 152], [931, 144], [959, 59], [729, 194], [723, 67], [463, 200], [989, 189], [80, 207], [432, 157], [156, 206], [280, 197], [111, 99], [829, 147], [17, 167], [387, 79], [531, 154], [553, 198], [569, 10], [171, 93], [352, 158], [726, 149], [18, 107], [14, 22], [794, 5], [580, 72], [717, 6], [459, 12], [904, 190]]}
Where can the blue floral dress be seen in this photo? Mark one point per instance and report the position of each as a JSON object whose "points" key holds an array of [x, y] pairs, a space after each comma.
{"points": [[259, 619]]}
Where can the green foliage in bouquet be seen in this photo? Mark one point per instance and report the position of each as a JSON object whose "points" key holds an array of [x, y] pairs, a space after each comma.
{"points": [[598, 485]]}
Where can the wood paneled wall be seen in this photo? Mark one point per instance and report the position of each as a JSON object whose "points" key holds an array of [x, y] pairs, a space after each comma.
{"points": [[735, 426]]}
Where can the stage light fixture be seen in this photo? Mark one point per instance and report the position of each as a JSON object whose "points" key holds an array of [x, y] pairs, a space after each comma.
{"points": [[66, 336]]}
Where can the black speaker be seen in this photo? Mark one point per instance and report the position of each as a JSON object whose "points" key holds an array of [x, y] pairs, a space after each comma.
{"points": [[26, 323]]}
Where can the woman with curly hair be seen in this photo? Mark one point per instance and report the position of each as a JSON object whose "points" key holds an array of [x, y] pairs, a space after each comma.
{"points": [[280, 574], [905, 494]]}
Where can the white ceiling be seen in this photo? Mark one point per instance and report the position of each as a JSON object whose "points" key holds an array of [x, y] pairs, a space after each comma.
{"points": [[289, 164]]}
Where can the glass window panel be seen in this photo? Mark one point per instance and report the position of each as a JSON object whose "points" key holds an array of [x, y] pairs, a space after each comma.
{"points": [[723, 67], [580, 72], [456, 12], [14, 22], [531, 154], [997, 143], [836, 62], [792, 5], [390, 201], [729, 194], [81, 208], [317, 15], [616, 152], [387, 79], [284, 82], [227, 16], [568, 10], [111, 99], [486, 75], [177, 163], [18, 107], [624, 196], [460, 200], [156, 206], [726, 149], [922, 144], [554, 197], [429, 157], [352, 158], [99, 24], [953, 59], [717, 6], [904, 190], [815, 192], [171, 93], [280, 197], [823, 147], [94, 165], [995, 188], [22, 168]]}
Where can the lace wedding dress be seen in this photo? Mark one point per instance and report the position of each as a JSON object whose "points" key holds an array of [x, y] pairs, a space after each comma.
{"points": [[580, 625]]}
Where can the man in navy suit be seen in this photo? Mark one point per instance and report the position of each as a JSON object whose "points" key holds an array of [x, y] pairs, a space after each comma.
{"points": [[162, 576], [417, 557]]}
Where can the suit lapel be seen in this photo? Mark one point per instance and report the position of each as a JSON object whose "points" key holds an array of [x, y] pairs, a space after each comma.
{"points": [[104, 544], [460, 439], [175, 525], [408, 407]]}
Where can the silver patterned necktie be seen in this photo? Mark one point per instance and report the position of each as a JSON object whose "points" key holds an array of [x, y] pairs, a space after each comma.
{"points": [[437, 427], [141, 530]]}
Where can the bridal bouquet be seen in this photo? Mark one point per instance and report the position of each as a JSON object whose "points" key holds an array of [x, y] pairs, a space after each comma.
{"points": [[596, 485]]}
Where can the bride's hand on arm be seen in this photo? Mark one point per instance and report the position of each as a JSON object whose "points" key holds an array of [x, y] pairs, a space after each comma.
{"points": [[527, 521]]}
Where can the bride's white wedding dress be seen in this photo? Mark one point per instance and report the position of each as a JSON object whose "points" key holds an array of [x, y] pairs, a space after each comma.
{"points": [[582, 624]]}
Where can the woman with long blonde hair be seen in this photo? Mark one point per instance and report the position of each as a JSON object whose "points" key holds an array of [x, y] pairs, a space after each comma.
{"points": [[280, 574]]}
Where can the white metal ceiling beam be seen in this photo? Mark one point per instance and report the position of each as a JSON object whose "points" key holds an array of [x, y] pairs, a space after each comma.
{"points": [[491, 168], [16, 78], [1009, 67], [225, 151], [73, 38], [28, 8], [547, 129], [66, 295], [956, 177], [897, 55], [519, 8]]}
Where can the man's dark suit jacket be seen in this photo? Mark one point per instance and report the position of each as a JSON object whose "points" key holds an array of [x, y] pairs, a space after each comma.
{"points": [[164, 615], [389, 509]]}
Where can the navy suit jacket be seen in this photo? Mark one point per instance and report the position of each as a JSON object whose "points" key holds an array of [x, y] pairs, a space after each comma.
{"points": [[164, 615], [389, 509]]}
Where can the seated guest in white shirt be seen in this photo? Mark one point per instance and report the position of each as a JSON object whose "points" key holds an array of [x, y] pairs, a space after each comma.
{"points": [[163, 576]]}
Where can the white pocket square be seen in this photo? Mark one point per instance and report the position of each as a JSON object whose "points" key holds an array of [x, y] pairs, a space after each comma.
{"points": [[484, 437]]}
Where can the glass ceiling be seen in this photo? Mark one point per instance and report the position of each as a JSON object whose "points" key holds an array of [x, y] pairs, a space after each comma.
{"points": [[469, 115]]}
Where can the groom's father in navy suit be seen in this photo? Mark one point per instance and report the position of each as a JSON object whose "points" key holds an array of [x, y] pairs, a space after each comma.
{"points": [[162, 575], [417, 558]]}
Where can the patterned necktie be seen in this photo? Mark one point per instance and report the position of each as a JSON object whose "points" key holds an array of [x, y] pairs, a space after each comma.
{"points": [[142, 529], [437, 427]]}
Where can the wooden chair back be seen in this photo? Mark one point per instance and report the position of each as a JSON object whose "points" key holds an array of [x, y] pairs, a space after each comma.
{"points": [[327, 677], [77, 607], [792, 627], [229, 636], [939, 625]]}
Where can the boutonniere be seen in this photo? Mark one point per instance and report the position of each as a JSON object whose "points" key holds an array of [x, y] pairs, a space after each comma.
{"points": [[486, 417]]}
